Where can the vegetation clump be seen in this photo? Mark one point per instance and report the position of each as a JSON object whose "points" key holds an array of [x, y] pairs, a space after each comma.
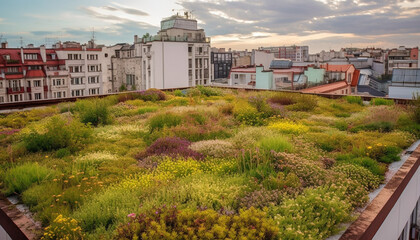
{"points": [[201, 163]]}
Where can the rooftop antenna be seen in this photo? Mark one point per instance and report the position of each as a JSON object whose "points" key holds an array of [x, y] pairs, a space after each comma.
{"points": [[93, 35]]}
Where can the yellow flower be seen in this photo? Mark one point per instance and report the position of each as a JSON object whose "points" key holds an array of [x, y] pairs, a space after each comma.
{"points": [[66, 181], [369, 147], [55, 180], [71, 177], [46, 156]]}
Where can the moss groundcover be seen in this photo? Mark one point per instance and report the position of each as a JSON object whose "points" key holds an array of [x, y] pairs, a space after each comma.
{"points": [[202, 163]]}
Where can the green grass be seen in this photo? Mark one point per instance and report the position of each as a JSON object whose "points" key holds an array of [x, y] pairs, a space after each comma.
{"points": [[276, 143], [19, 178]]}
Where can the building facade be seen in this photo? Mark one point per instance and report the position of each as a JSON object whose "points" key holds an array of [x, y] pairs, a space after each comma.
{"points": [[28, 74], [221, 63], [178, 56], [294, 53]]}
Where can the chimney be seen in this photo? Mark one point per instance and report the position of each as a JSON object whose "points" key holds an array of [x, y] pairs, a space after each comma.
{"points": [[43, 53], [4, 45], [136, 39]]}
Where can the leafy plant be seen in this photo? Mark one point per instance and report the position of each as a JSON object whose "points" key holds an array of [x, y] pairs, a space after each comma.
{"points": [[170, 146], [354, 99], [21, 177], [162, 120], [94, 111], [381, 101], [57, 134], [171, 223]]}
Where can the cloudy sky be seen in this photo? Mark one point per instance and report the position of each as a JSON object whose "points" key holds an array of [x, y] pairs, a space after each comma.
{"points": [[236, 24]]}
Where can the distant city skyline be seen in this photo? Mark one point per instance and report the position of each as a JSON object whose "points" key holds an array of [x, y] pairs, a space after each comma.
{"points": [[320, 24]]}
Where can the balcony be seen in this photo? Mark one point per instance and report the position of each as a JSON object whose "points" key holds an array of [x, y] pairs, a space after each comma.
{"points": [[45, 88], [28, 89], [14, 90]]}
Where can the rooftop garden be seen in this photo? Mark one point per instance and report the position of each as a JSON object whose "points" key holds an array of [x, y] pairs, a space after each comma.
{"points": [[204, 163]]}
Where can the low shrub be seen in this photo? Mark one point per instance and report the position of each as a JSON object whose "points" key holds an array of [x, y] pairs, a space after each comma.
{"points": [[377, 126], [210, 130], [209, 91], [275, 143], [170, 146], [283, 98], [58, 134], [303, 103], [382, 101], [63, 152], [262, 198], [341, 125], [309, 172], [289, 183], [332, 141], [214, 148], [354, 99], [247, 114], [151, 94], [260, 103], [312, 215], [162, 120], [169, 223], [177, 101], [359, 174], [287, 126], [372, 165], [179, 93], [19, 178], [144, 110], [416, 110], [95, 111], [384, 153], [63, 228]]}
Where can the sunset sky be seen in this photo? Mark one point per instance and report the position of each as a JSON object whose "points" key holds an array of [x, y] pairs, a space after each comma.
{"points": [[236, 24]]}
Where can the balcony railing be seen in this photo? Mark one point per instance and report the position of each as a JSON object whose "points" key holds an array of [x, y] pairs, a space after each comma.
{"points": [[14, 90]]}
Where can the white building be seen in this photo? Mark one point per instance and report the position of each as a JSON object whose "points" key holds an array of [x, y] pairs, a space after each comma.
{"points": [[88, 68], [262, 58], [179, 56]]}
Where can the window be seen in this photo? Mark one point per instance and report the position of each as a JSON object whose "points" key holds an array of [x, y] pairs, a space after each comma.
{"points": [[93, 91], [37, 83], [1, 84], [30, 56], [37, 96], [75, 69], [74, 56], [130, 79], [93, 79], [94, 68], [58, 82], [76, 81], [106, 54], [77, 93], [236, 76], [12, 69], [92, 56], [6, 57], [1, 99]]}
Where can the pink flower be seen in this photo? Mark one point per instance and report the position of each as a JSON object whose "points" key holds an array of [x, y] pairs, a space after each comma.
{"points": [[131, 215]]}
